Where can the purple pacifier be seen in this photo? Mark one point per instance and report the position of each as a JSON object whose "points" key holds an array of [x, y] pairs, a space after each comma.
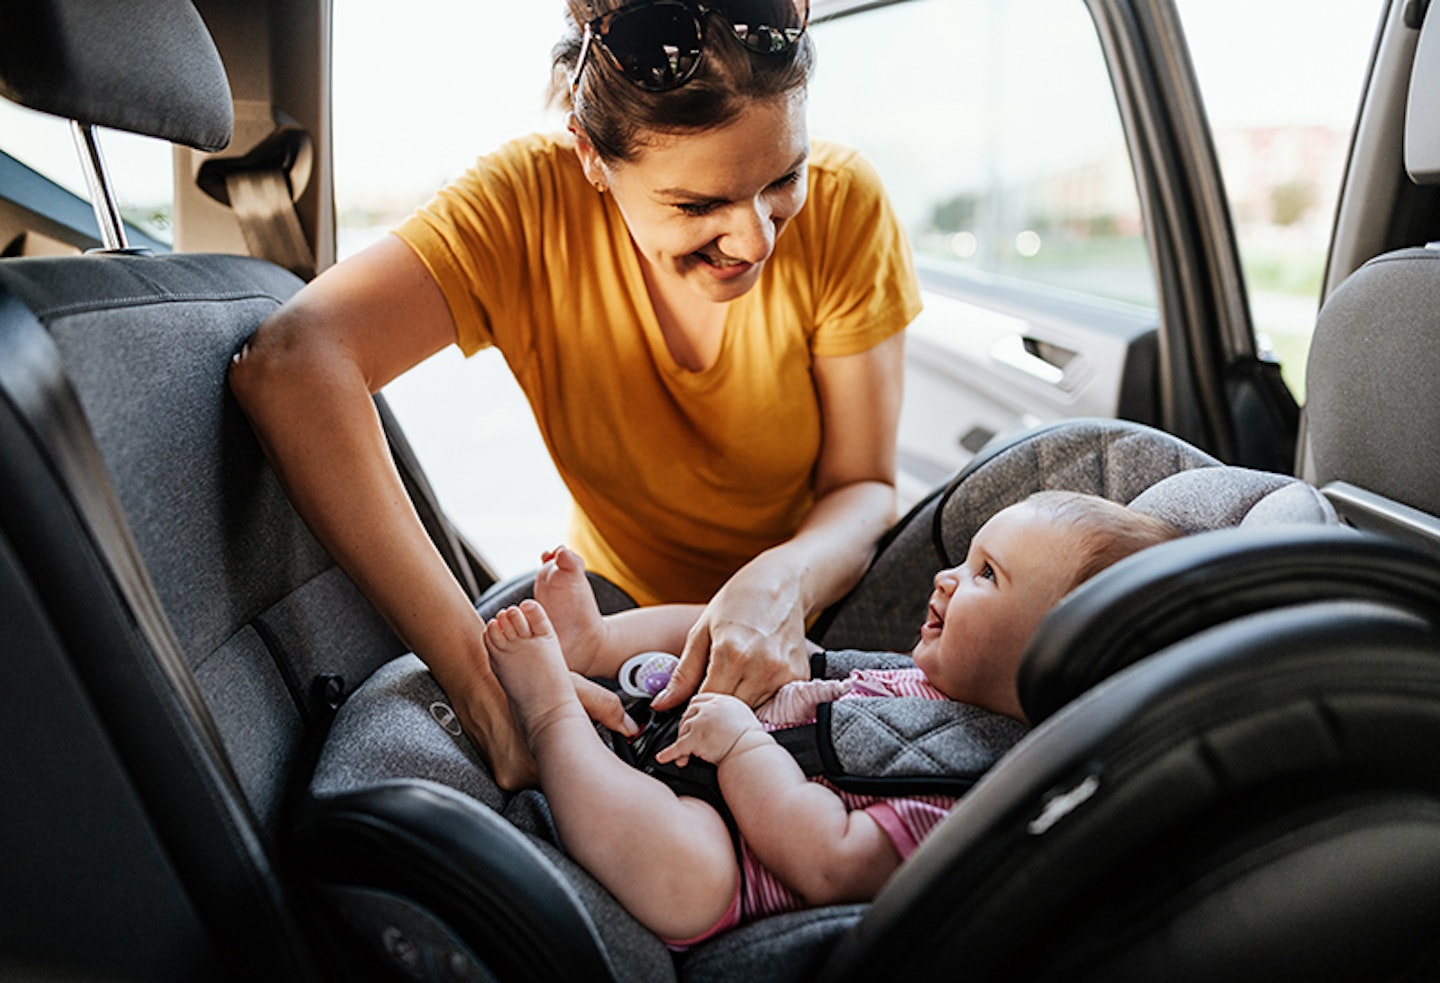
{"points": [[646, 674]]}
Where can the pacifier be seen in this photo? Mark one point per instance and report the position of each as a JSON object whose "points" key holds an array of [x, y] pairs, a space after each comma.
{"points": [[646, 674]]}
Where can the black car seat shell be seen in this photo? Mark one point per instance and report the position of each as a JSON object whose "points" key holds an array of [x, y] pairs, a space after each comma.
{"points": [[1248, 804]]}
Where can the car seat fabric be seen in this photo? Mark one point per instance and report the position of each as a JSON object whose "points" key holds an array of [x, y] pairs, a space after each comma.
{"points": [[1373, 360], [111, 642], [70, 58], [1219, 498], [258, 607]]}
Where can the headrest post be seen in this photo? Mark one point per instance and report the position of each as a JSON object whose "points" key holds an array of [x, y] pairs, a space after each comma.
{"points": [[102, 195]]}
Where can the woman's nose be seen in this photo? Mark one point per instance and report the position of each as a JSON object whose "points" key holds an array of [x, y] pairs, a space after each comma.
{"points": [[751, 235]]}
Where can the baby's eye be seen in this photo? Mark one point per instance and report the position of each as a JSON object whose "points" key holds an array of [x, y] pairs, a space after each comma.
{"points": [[987, 572]]}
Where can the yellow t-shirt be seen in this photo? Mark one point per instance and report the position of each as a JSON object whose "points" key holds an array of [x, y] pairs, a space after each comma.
{"points": [[678, 477]]}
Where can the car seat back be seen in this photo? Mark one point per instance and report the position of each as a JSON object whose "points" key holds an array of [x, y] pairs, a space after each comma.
{"points": [[1371, 419], [163, 582], [149, 756]]}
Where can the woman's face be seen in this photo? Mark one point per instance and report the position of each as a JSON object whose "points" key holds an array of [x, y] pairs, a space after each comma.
{"points": [[705, 208]]}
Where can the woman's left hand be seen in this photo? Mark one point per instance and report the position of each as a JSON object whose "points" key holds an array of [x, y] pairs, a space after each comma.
{"points": [[749, 640]]}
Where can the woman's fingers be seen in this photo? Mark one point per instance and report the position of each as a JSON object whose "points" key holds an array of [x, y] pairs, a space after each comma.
{"points": [[603, 705]]}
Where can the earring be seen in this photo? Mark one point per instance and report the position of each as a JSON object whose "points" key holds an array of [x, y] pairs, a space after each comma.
{"points": [[600, 187]]}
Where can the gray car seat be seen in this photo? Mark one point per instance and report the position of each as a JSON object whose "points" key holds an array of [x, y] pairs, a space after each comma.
{"points": [[390, 777]]}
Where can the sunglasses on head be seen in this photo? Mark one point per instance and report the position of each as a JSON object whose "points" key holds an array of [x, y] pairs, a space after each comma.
{"points": [[657, 44]]}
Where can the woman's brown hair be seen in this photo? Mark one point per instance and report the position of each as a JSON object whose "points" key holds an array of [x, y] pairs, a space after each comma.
{"points": [[614, 113]]}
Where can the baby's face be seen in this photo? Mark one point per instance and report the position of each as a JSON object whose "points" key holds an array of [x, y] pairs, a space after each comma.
{"points": [[983, 612]]}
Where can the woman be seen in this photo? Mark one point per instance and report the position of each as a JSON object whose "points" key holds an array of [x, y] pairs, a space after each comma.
{"points": [[714, 363]]}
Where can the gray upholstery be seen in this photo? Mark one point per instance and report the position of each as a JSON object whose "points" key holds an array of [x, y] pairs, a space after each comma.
{"points": [[1374, 358], [1218, 498], [259, 609], [77, 59], [1109, 458], [880, 738], [750, 953], [1422, 109]]}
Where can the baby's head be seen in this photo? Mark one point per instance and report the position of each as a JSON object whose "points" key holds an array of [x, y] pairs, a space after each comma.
{"points": [[1020, 564]]}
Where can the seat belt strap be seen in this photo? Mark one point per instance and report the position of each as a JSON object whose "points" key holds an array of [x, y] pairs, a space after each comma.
{"points": [[268, 220]]}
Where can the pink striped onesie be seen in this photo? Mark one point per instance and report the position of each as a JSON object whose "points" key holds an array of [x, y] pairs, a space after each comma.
{"points": [[906, 820]]}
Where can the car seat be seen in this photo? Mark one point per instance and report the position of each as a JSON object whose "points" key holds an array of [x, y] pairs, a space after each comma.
{"points": [[391, 809]]}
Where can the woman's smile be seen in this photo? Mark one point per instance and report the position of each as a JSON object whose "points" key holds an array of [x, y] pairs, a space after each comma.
{"points": [[723, 267]]}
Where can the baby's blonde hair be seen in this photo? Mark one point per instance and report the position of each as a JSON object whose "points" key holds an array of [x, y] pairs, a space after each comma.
{"points": [[1108, 531]]}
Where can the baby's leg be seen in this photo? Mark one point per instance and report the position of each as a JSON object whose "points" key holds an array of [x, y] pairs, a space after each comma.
{"points": [[564, 592], [668, 859], [598, 645]]}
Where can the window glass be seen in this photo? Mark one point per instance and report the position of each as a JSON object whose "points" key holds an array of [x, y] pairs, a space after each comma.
{"points": [[416, 99], [1282, 117], [139, 167], [997, 135]]}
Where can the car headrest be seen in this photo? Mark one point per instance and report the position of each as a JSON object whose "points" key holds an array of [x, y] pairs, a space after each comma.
{"points": [[1422, 110], [1203, 499], [1115, 459], [144, 66]]}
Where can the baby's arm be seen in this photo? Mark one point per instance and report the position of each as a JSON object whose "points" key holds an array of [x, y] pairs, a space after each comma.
{"points": [[799, 829], [661, 628]]}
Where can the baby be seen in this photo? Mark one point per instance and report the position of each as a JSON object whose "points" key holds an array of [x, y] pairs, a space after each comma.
{"points": [[670, 859]]}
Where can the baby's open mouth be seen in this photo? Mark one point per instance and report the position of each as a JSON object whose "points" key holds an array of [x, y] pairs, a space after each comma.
{"points": [[936, 619]]}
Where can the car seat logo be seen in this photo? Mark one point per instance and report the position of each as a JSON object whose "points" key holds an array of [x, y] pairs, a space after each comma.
{"points": [[445, 717]]}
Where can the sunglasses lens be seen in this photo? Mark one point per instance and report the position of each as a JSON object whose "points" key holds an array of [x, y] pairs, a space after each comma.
{"points": [[767, 26], [656, 45]]}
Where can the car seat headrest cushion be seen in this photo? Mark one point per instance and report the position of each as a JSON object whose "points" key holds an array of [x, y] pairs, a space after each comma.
{"points": [[144, 66], [1203, 499]]}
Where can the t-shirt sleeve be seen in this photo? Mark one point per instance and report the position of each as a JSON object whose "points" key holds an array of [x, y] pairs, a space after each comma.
{"points": [[478, 238], [907, 821], [866, 285]]}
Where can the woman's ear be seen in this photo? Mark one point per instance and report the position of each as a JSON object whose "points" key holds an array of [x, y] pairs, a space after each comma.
{"points": [[589, 157]]}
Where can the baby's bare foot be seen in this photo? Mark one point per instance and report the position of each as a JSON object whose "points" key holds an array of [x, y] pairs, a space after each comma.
{"points": [[561, 586], [526, 657]]}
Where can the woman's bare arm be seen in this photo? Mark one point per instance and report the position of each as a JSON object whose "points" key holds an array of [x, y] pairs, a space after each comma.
{"points": [[305, 380]]}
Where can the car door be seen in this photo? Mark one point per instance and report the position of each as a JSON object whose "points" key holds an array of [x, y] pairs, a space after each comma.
{"points": [[1052, 163]]}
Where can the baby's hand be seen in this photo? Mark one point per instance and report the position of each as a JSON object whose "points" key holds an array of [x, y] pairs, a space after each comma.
{"points": [[713, 726]]}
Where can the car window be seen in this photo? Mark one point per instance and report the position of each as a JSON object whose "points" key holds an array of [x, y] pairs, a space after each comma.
{"points": [[1002, 148], [1282, 116], [416, 99], [140, 167]]}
